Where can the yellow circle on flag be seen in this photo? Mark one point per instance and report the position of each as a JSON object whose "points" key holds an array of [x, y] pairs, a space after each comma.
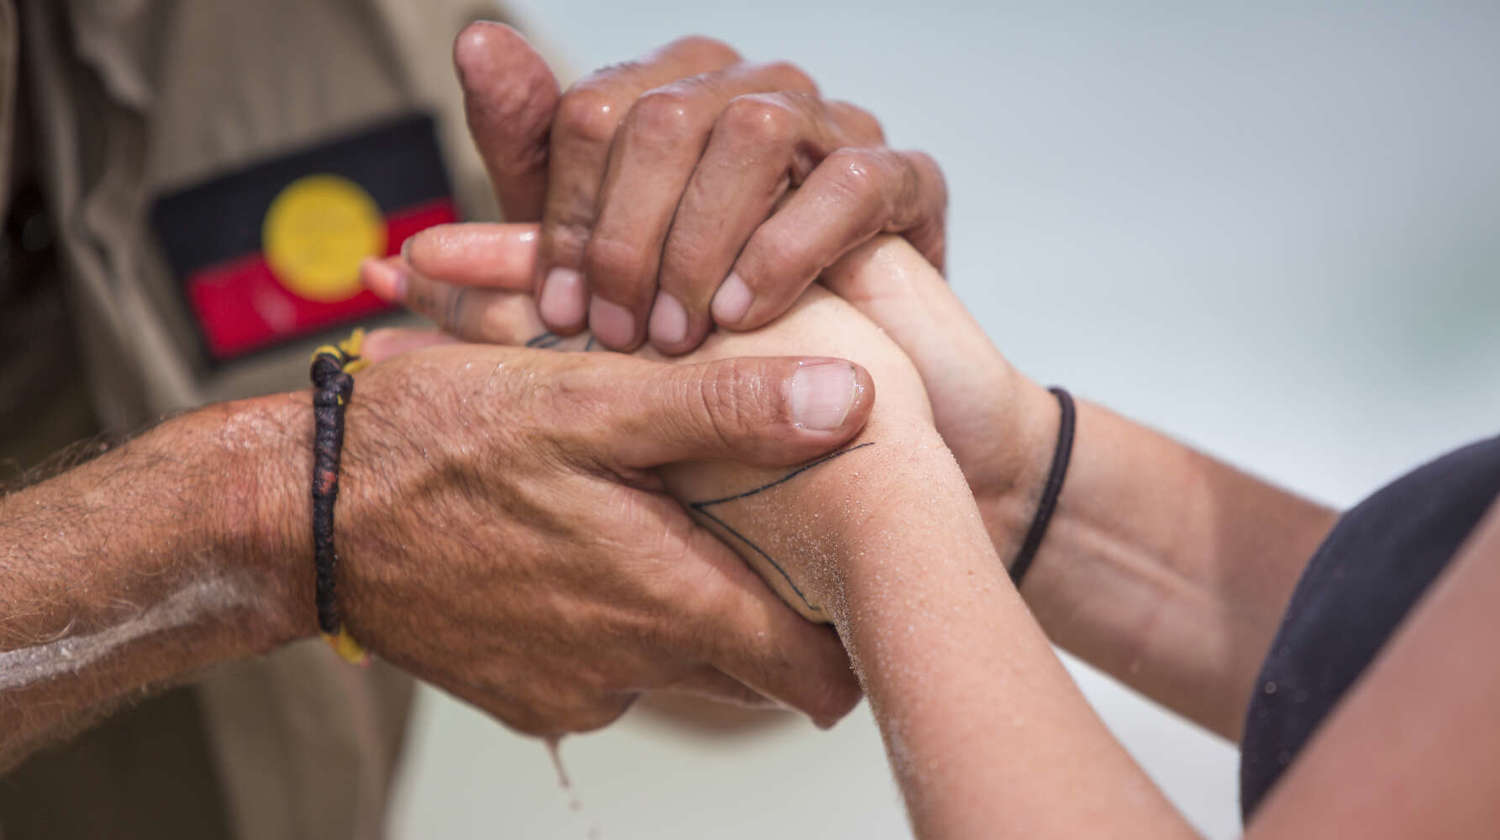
{"points": [[317, 231]]}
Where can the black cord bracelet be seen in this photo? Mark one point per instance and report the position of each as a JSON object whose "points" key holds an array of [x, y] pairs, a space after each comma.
{"points": [[1051, 490], [333, 387]]}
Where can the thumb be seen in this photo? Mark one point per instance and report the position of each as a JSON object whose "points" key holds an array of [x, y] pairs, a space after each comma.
{"points": [[478, 254], [510, 96], [767, 412]]}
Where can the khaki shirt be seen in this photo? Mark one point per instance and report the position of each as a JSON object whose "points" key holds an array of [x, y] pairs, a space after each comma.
{"points": [[124, 101]]}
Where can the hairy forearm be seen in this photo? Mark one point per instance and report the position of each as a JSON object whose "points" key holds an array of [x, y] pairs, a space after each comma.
{"points": [[1162, 566], [142, 567]]}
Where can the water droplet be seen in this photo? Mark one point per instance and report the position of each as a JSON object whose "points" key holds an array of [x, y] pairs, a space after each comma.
{"points": [[553, 742]]}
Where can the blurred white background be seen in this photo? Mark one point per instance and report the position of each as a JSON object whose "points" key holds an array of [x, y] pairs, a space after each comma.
{"points": [[1270, 229]]}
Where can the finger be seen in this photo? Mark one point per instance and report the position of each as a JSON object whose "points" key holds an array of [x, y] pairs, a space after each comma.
{"points": [[757, 411], [510, 98], [582, 132], [494, 256], [484, 315], [851, 196], [708, 681], [725, 617], [386, 278], [856, 122], [389, 342], [654, 153], [761, 145], [894, 286], [787, 658], [545, 720], [746, 631]]}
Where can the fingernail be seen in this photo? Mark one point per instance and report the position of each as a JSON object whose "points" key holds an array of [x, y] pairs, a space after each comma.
{"points": [[731, 301], [385, 280], [611, 323], [563, 298], [668, 320], [822, 394]]}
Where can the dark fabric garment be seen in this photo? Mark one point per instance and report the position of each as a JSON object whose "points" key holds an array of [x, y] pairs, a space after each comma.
{"points": [[44, 404], [1368, 574]]}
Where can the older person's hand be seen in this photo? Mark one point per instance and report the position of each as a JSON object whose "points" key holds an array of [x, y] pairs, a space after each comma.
{"points": [[789, 531], [503, 533], [683, 189]]}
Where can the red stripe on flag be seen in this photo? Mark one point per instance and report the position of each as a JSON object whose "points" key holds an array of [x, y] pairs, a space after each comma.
{"points": [[241, 306]]}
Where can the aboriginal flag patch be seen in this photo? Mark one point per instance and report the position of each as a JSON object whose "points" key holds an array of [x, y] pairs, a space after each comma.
{"points": [[271, 252]]}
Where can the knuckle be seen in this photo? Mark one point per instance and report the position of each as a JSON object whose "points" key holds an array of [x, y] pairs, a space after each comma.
{"points": [[617, 262], [860, 174], [836, 696], [760, 119], [666, 115], [587, 114], [924, 166], [790, 76], [701, 48], [731, 395]]}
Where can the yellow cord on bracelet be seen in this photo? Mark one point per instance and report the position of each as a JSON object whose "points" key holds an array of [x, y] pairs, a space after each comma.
{"points": [[348, 354], [346, 351], [345, 646]]}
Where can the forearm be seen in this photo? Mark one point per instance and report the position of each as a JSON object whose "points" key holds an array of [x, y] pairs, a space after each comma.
{"points": [[986, 733], [144, 566], [1162, 566]]}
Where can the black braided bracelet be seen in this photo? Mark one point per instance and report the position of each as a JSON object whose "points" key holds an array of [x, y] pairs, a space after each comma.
{"points": [[333, 387], [1051, 490]]}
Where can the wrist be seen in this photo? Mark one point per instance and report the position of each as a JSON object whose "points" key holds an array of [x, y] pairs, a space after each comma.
{"points": [[268, 507], [372, 473], [1008, 477], [916, 521]]}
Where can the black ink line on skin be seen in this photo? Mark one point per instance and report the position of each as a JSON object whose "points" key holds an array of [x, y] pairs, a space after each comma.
{"points": [[784, 479], [701, 507], [549, 339]]}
